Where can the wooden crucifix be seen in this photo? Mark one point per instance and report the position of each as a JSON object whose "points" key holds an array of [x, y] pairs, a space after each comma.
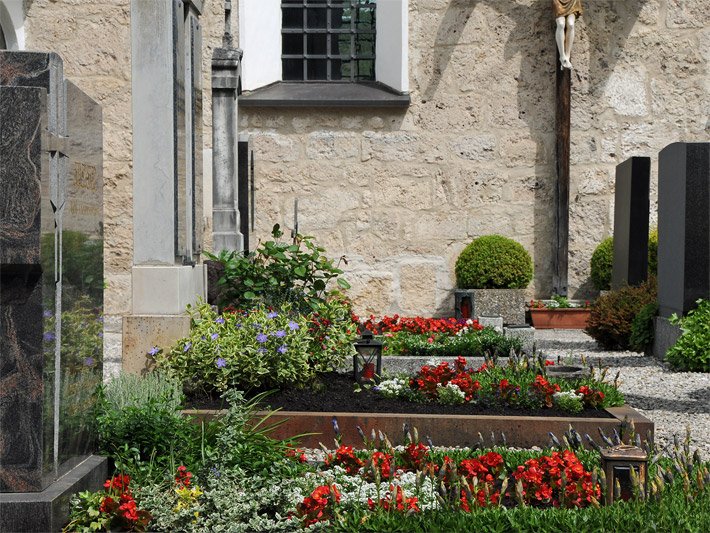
{"points": [[565, 12]]}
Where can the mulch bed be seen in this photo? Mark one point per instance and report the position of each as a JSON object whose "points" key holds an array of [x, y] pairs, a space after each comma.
{"points": [[334, 392]]}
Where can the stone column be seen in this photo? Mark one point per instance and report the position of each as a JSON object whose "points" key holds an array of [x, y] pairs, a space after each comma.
{"points": [[631, 209], [167, 146], [226, 71]]}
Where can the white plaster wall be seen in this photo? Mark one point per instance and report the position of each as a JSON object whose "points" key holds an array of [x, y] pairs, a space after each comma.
{"points": [[260, 38], [392, 47], [12, 19]]}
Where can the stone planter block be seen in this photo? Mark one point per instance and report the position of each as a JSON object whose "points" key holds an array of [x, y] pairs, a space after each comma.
{"points": [[495, 322], [526, 334], [506, 303]]}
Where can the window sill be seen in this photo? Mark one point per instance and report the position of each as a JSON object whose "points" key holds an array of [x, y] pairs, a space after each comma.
{"points": [[294, 94]]}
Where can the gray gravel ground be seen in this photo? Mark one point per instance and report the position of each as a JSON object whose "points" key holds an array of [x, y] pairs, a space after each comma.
{"points": [[673, 400]]}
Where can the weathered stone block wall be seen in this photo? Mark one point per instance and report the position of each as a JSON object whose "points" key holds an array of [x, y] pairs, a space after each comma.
{"points": [[400, 193]]}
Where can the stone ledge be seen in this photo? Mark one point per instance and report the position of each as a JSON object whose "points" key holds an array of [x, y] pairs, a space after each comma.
{"points": [[294, 94]]}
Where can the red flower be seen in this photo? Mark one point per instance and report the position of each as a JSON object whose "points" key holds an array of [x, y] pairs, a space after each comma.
{"points": [[183, 477], [119, 482]]}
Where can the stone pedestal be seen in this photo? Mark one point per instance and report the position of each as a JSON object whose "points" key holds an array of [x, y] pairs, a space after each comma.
{"points": [[507, 303], [665, 335], [683, 227], [495, 322], [631, 210]]}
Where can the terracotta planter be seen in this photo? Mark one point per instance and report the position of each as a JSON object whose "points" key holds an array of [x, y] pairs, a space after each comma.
{"points": [[570, 318]]}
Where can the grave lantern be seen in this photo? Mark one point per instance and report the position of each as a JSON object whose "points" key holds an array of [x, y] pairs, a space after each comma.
{"points": [[367, 361], [618, 462]]}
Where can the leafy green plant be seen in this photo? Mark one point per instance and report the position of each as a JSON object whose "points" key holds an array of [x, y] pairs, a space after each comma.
{"points": [[140, 424], [471, 344], [278, 272], [601, 264], [641, 338], [612, 314], [692, 349], [493, 262], [569, 401], [246, 350]]}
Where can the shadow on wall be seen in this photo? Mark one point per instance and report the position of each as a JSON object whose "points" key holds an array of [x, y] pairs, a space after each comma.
{"points": [[606, 27]]}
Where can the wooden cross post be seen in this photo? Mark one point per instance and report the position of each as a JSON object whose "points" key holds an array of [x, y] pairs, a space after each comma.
{"points": [[562, 130]]}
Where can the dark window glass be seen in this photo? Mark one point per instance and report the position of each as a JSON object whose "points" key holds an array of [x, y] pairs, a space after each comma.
{"points": [[292, 69], [317, 69], [339, 42], [292, 44], [292, 18], [317, 43]]}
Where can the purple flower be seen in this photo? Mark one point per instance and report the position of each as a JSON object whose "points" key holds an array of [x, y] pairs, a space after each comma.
{"points": [[261, 338], [221, 362], [280, 334], [49, 336], [188, 345], [335, 426], [214, 336], [272, 314], [261, 350], [220, 320], [89, 361], [154, 351], [282, 349], [101, 334], [292, 325], [46, 313]]}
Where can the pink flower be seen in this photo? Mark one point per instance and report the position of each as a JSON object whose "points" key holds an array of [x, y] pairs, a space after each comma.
{"points": [[430, 340]]}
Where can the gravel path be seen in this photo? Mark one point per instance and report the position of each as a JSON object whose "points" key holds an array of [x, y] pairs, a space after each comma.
{"points": [[673, 400]]}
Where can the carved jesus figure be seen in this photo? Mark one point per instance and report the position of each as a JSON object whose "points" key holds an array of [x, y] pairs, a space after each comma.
{"points": [[566, 13]]}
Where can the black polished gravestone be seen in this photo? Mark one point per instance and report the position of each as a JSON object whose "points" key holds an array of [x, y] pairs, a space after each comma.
{"points": [[631, 210], [683, 227], [51, 276]]}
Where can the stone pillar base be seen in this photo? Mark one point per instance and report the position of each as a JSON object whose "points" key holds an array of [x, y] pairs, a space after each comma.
{"points": [[665, 335], [526, 334], [142, 332], [48, 510]]}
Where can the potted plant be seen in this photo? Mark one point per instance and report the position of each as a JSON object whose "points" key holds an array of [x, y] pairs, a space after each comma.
{"points": [[491, 275], [559, 313]]}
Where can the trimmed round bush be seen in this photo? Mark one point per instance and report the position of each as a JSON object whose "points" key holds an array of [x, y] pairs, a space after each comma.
{"points": [[494, 262], [602, 260]]}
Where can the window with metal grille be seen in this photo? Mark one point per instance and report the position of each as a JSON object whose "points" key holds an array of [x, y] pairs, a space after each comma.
{"points": [[328, 40]]}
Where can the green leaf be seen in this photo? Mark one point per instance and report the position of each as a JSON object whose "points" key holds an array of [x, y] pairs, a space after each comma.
{"points": [[249, 295], [319, 285], [300, 271], [343, 284]]}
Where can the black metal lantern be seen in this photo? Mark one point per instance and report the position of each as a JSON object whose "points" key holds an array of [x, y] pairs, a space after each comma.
{"points": [[367, 361], [621, 464]]}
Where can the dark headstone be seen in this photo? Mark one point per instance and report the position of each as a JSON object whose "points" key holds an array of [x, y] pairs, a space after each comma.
{"points": [[51, 285], [683, 227], [244, 187], [631, 210]]}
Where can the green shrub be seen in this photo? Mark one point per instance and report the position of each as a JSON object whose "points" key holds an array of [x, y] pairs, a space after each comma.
{"points": [[601, 264], [139, 421], [692, 350], [276, 273], [245, 350], [493, 262], [641, 338], [612, 315]]}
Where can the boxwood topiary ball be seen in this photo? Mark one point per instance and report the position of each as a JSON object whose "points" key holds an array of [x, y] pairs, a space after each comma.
{"points": [[494, 262], [601, 264]]}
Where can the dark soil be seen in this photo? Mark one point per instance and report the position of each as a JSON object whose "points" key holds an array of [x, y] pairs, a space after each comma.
{"points": [[334, 392]]}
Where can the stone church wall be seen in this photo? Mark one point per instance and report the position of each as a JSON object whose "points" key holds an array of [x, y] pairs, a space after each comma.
{"points": [[400, 193]]}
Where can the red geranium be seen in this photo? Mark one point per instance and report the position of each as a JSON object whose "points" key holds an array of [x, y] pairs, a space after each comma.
{"points": [[399, 503], [319, 506]]}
